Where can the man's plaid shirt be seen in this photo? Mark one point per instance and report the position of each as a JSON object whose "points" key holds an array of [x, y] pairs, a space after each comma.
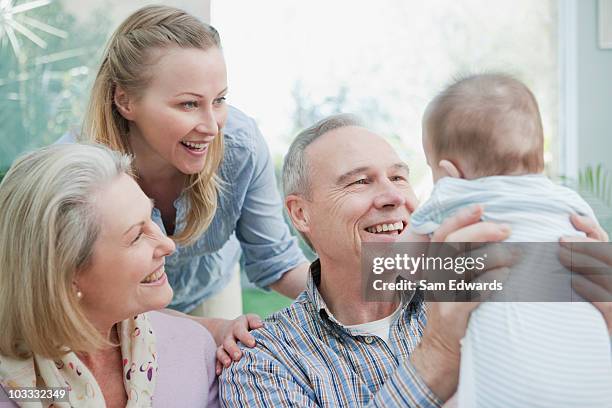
{"points": [[306, 358]]}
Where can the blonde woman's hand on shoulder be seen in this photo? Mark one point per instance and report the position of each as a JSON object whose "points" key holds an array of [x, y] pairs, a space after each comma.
{"points": [[229, 332]]}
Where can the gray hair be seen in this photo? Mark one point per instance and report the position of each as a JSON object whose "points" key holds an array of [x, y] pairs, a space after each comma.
{"points": [[296, 170], [48, 227]]}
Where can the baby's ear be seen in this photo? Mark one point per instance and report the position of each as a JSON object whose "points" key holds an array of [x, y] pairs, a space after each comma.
{"points": [[449, 169]]}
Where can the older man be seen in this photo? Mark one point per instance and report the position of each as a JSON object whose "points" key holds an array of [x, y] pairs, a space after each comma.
{"points": [[331, 347]]}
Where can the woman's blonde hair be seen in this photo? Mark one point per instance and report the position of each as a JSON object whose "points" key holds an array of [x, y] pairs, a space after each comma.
{"points": [[127, 60], [48, 226]]}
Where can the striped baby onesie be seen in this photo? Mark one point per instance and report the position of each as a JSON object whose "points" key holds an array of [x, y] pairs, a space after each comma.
{"points": [[523, 354]]}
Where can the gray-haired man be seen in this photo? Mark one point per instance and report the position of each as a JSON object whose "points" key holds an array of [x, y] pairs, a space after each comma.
{"points": [[331, 347]]}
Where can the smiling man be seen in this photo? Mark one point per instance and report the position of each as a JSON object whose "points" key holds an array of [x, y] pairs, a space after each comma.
{"points": [[344, 186]]}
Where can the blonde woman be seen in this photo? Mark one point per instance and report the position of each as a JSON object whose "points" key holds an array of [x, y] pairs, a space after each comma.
{"points": [[160, 96], [81, 273]]}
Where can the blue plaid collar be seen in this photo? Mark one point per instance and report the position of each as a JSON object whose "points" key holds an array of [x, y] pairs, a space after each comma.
{"points": [[408, 300]]}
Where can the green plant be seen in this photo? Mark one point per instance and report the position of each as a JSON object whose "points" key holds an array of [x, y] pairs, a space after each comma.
{"points": [[596, 181], [595, 186], [46, 71]]}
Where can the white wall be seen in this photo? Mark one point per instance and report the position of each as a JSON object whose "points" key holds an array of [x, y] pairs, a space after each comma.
{"points": [[594, 91], [587, 87]]}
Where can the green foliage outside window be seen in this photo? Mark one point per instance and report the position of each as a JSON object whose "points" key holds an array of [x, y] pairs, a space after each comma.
{"points": [[48, 62], [595, 185]]}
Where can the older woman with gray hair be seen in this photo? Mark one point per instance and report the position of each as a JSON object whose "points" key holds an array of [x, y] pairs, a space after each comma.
{"points": [[81, 274]]}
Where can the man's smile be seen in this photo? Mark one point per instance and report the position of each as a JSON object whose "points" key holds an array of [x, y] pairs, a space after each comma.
{"points": [[388, 227]]}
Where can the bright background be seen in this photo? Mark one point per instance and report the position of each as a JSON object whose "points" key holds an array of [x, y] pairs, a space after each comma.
{"points": [[292, 62]]}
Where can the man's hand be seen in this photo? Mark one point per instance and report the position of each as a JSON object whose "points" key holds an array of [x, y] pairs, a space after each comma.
{"points": [[582, 258], [438, 355]]}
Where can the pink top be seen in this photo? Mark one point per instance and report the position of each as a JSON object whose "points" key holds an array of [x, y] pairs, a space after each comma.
{"points": [[186, 352]]}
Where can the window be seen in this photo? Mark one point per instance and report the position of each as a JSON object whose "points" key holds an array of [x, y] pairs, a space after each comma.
{"points": [[49, 53], [289, 62], [292, 62]]}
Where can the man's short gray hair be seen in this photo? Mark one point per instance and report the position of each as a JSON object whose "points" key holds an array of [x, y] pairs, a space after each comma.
{"points": [[296, 171]]}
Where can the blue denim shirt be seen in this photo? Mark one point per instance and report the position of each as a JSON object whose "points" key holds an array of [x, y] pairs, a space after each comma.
{"points": [[249, 221]]}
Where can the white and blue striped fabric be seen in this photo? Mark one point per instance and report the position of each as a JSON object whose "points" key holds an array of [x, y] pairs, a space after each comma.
{"points": [[526, 354]]}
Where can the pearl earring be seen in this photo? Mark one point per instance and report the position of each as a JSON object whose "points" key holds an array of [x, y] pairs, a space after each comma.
{"points": [[79, 294]]}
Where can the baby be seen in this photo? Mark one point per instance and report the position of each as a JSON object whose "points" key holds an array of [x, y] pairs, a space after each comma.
{"points": [[484, 143]]}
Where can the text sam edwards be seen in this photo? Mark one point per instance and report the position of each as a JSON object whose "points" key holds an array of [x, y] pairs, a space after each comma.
{"points": [[423, 284]]}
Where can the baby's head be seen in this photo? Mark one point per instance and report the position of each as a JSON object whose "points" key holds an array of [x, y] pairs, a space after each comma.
{"points": [[483, 125]]}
